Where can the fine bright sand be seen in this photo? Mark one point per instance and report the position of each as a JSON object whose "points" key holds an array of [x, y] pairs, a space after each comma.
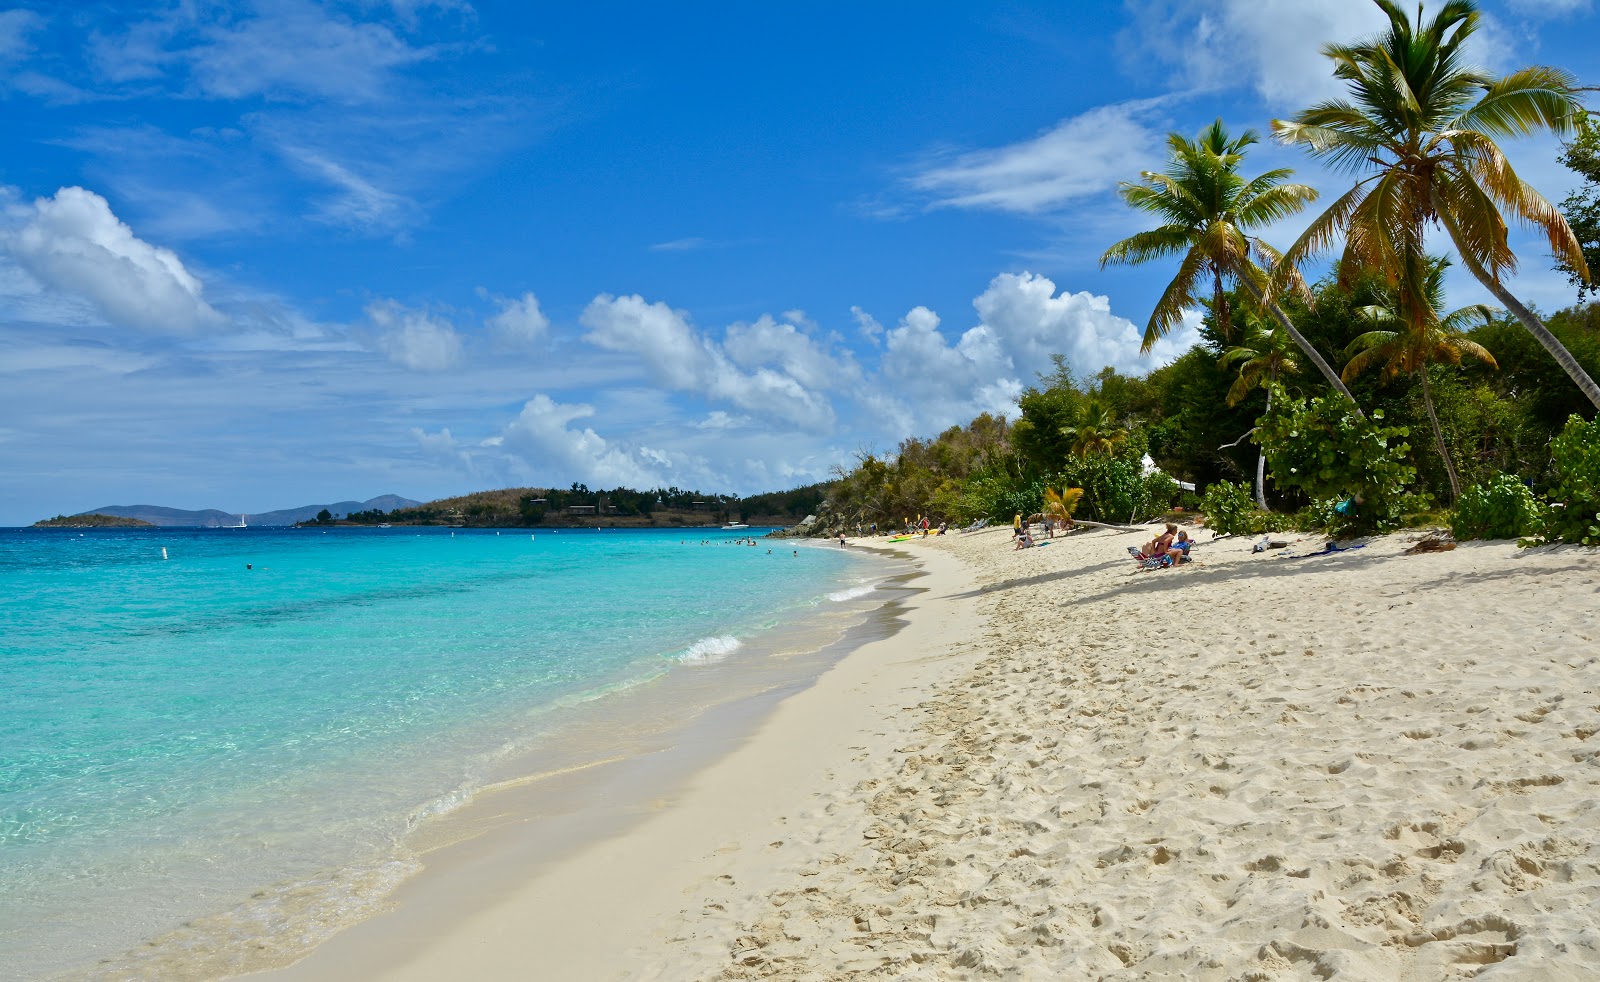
{"points": [[1369, 765]]}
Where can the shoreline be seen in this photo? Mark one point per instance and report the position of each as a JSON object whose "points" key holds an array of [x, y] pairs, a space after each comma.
{"points": [[567, 911], [1366, 763], [566, 750]]}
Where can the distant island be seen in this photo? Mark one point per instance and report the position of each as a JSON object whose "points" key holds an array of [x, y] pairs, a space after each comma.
{"points": [[92, 521], [580, 507], [212, 518]]}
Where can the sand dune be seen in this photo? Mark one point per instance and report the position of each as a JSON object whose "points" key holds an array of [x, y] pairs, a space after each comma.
{"points": [[1368, 766]]}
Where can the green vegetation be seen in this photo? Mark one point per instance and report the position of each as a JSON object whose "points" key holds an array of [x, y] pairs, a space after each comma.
{"points": [[91, 521], [1509, 398], [1582, 207], [1574, 513], [1502, 508], [1422, 126]]}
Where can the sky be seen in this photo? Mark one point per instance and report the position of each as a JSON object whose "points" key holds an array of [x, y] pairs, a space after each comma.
{"points": [[258, 255]]}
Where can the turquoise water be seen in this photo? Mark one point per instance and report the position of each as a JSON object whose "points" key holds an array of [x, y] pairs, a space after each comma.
{"points": [[178, 735]]}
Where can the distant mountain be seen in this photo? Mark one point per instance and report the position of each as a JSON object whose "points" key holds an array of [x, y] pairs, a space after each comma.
{"points": [[212, 518]]}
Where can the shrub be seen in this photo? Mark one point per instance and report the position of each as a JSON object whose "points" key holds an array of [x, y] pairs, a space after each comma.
{"points": [[1502, 508], [1574, 515], [1230, 509], [1354, 470]]}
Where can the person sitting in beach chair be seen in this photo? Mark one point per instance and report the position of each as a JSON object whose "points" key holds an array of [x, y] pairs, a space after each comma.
{"points": [[1157, 547], [1179, 551]]}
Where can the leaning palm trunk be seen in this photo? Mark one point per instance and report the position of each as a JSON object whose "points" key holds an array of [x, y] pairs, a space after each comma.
{"points": [[1305, 346], [1438, 436], [1534, 326]]}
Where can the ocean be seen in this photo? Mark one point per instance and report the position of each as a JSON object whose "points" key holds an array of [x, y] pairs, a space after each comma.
{"points": [[244, 729]]}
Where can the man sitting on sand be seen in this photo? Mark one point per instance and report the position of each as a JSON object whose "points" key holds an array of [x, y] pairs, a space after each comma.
{"points": [[1025, 540]]}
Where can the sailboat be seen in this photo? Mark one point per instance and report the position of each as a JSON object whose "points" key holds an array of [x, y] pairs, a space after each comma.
{"points": [[241, 523]]}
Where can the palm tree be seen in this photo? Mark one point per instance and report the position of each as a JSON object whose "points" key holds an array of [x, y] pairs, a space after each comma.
{"points": [[1096, 432], [1262, 357], [1422, 126], [1207, 207], [1408, 339], [1060, 505]]}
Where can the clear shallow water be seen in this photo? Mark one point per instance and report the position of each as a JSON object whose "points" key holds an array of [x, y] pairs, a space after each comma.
{"points": [[179, 735]]}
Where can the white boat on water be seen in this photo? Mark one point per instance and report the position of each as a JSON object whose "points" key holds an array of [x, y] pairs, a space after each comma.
{"points": [[732, 526]]}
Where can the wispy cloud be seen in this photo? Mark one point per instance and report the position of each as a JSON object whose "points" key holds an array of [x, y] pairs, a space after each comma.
{"points": [[1079, 157], [356, 203], [693, 243]]}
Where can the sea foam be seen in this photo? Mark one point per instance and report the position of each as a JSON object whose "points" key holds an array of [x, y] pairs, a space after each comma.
{"points": [[708, 650]]}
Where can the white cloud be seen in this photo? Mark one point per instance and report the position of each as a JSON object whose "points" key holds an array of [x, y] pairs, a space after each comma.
{"points": [[358, 203], [542, 438], [938, 383], [444, 448], [690, 244], [719, 420], [284, 50], [784, 345], [1273, 46], [1030, 322], [870, 328], [679, 357], [1550, 8], [519, 322], [1079, 157], [15, 26], [931, 383], [413, 338], [74, 244]]}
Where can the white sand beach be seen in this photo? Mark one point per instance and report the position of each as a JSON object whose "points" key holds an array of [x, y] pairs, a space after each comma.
{"points": [[1369, 765]]}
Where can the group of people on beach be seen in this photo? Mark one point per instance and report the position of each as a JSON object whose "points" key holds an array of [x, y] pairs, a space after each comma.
{"points": [[1170, 548], [1022, 531]]}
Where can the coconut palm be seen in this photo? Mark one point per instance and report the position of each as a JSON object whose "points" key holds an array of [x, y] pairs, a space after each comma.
{"points": [[1096, 432], [1207, 208], [1264, 355], [1406, 340], [1060, 505], [1422, 126]]}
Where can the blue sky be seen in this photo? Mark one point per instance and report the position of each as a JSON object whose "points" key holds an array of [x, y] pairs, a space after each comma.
{"points": [[254, 255]]}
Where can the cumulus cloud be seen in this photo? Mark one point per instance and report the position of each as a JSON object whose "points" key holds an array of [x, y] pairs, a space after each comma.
{"points": [[1031, 322], [681, 358], [72, 243], [1079, 157], [786, 345], [542, 437], [931, 382], [941, 383], [519, 322], [414, 338]]}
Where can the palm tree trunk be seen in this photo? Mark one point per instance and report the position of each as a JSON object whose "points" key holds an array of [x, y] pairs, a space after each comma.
{"points": [[1535, 327], [1305, 346], [1438, 436], [1261, 463]]}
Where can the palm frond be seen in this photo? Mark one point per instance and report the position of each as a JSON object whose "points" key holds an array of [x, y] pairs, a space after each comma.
{"points": [[1142, 247]]}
